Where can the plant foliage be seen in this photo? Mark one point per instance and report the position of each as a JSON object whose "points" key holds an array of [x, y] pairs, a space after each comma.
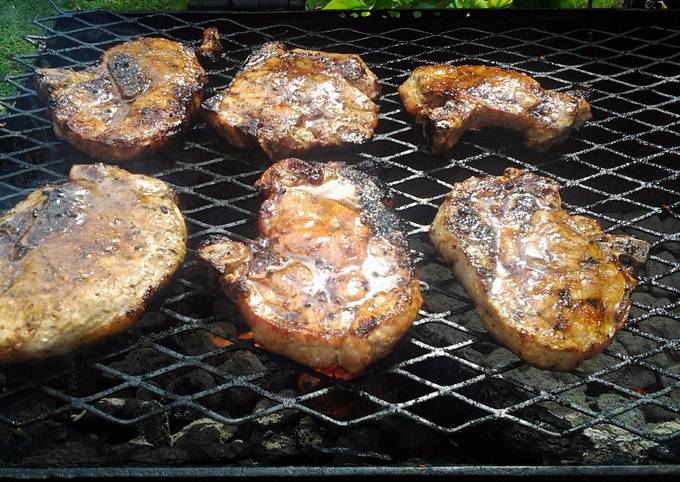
{"points": [[428, 4]]}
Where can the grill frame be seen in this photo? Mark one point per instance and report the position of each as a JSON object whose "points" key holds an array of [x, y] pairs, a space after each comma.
{"points": [[257, 22]]}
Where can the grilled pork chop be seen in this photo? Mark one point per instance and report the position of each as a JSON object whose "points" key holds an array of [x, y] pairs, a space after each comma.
{"points": [[329, 284], [448, 100], [552, 287], [139, 97], [293, 101], [77, 260]]}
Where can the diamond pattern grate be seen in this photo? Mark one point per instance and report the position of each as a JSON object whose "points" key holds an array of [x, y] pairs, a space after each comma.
{"points": [[447, 374]]}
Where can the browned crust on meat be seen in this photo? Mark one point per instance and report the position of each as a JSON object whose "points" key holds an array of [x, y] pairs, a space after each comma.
{"points": [[330, 283], [140, 97], [449, 100], [78, 260], [553, 288], [293, 101]]}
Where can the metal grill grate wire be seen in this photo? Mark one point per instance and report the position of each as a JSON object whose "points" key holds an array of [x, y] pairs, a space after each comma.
{"points": [[620, 169]]}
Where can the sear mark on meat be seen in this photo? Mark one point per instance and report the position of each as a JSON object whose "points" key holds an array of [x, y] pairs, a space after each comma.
{"points": [[552, 287], [140, 96], [294, 101], [449, 100], [329, 283], [127, 75], [78, 260]]}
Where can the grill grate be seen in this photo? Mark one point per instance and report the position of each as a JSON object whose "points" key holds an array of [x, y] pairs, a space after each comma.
{"points": [[447, 374]]}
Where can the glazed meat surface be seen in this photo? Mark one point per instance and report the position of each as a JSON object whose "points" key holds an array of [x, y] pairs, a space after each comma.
{"points": [[552, 287], [78, 260], [294, 101], [139, 97], [329, 283], [448, 100]]}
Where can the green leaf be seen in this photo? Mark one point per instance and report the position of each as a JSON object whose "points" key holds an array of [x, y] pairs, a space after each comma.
{"points": [[469, 4], [345, 5], [417, 14], [607, 3], [315, 4], [551, 3], [382, 5], [499, 3]]}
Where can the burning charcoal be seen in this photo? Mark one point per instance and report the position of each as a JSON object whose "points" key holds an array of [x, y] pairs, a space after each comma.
{"points": [[485, 347], [437, 302], [309, 433], [612, 445], [501, 358], [422, 245], [280, 378], [673, 248], [596, 364], [156, 428], [663, 327], [153, 321], [182, 416], [242, 363], [661, 360], [194, 342], [201, 341], [307, 383], [635, 345], [648, 300], [208, 438], [196, 381], [608, 402], [667, 381], [470, 320], [140, 360], [108, 431], [438, 334], [633, 377], [415, 441], [222, 329], [541, 379], [655, 413], [153, 429], [222, 306], [471, 355], [653, 268], [278, 444], [670, 451], [281, 417], [575, 397], [434, 273], [240, 400]]}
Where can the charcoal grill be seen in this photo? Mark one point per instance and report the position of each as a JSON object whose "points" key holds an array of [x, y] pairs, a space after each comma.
{"points": [[187, 392]]}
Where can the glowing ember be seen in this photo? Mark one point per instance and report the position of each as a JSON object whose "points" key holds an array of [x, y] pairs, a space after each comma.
{"points": [[307, 383], [334, 371], [218, 341], [246, 335]]}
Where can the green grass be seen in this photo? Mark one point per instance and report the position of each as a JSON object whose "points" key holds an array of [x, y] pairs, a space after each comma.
{"points": [[16, 17]]}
